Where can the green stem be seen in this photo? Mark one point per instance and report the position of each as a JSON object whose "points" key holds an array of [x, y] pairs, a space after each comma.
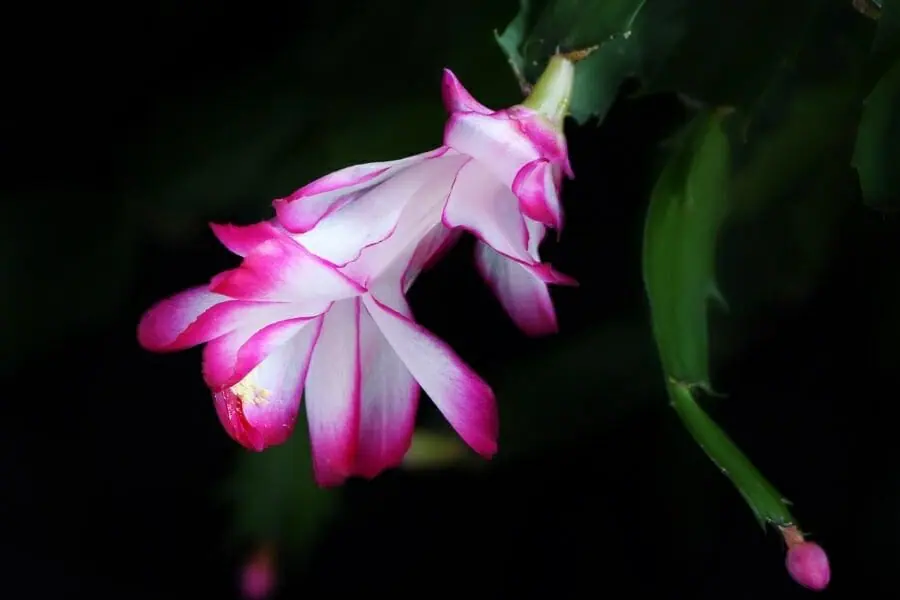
{"points": [[765, 501], [551, 94]]}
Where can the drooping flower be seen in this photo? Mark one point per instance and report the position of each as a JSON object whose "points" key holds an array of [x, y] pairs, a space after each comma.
{"points": [[288, 321], [497, 175], [317, 305]]}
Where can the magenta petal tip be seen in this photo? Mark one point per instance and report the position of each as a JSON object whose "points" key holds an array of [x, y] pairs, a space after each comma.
{"points": [[457, 98]]}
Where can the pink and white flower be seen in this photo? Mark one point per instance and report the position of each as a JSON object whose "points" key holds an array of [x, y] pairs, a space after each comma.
{"points": [[497, 175], [288, 321], [317, 305]]}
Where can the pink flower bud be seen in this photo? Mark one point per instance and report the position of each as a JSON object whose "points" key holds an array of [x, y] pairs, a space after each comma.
{"points": [[258, 577], [806, 561]]}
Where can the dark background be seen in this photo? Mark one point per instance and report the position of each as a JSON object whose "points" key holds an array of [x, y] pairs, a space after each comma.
{"points": [[127, 128]]}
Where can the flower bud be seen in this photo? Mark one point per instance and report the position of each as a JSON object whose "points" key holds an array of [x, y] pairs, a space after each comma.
{"points": [[258, 577], [806, 561]]}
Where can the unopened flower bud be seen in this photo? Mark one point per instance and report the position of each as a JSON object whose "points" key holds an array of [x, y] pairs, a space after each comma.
{"points": [[806, 561], [258, 577]]}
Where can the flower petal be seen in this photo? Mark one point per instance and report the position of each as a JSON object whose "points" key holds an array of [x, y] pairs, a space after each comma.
{"points": [[228, 359], [457, 98], [543, 271], [465, 399], [333, 390], [390, 257], [494, 141], [189, 318], [478, 203], [261, 409], [390, 397], [551, 144], [281, 270], [242, 239], [303, 209], [536, 234], [433, 247], [376, 214], [535, 187], [523, 295]]}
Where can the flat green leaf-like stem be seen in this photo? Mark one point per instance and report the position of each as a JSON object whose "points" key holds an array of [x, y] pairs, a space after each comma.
{"points": [[687, 207], [878, 143], [764, 500]]}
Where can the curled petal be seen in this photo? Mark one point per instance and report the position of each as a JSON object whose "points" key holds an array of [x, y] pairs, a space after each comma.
{"points": [[546, 273], [228, 359], [261, 409], [524, 297], [242, 239], [457, 98], [541, 270], [303, 209], [390, 397], [494, 141], [551, 144], [535, 187], [189, 318], [333, 389], [463, 398], [280, 270]]}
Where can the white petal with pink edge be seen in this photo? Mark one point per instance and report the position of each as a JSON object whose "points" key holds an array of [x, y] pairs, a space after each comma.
{"points": [[480, 204], [524, 297], [242, 239], [457, 98], [390, 398], [551, 143], [261, 410], [493, 141], [535, 187], [463, 398], [164, 327], [228, 359], [419, 217], [433, 247], [280, 270], [333, 390], [303, 209], [196, 316], [385, 213]]}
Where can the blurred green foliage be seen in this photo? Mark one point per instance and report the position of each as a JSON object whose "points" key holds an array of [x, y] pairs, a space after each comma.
{"points": [[687, 208], [620, 29], [878, 143], [276, 500], [796, 78]]}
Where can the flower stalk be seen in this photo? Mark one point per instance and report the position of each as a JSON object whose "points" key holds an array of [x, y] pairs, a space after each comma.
{"points": [[762, 497]]}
